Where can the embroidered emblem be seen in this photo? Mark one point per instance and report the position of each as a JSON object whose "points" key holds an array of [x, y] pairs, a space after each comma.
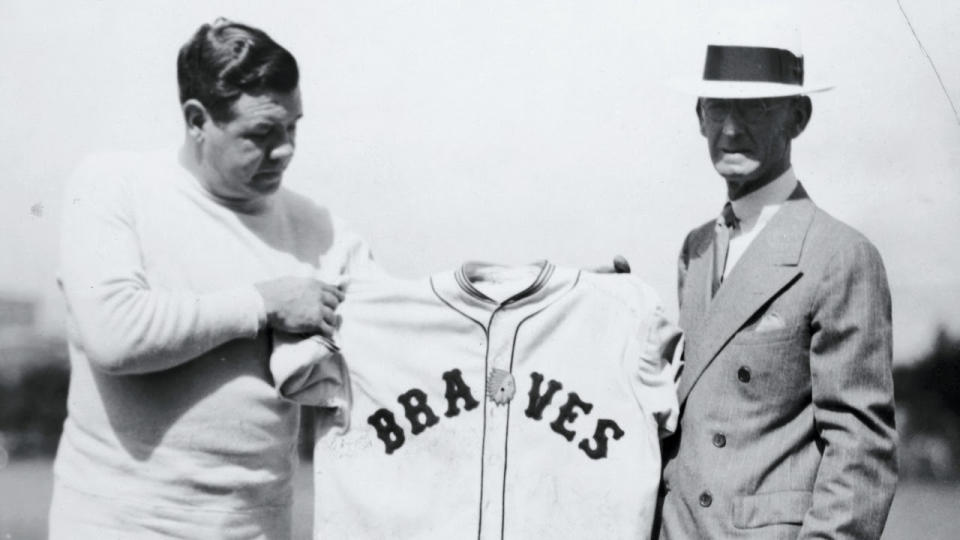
{"points": [[500, 386]]}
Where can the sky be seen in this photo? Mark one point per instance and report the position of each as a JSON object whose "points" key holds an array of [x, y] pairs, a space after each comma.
{"points": [[508, 131]]}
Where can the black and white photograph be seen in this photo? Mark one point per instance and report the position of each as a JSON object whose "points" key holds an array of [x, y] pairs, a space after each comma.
{"points": [[480, 270]]}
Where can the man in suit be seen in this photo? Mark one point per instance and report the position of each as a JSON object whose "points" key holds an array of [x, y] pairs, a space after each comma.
{"points": [[787, 427]]}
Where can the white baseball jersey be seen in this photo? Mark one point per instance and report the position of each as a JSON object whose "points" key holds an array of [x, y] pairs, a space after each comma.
{"points": [[536, 416]]}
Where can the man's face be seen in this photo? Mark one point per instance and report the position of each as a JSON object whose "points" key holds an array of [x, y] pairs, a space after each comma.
{"points": [[749, 139], [246, 154]]}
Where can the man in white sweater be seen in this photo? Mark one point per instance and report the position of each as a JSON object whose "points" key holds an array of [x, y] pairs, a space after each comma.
{"points": [[174, 269]]}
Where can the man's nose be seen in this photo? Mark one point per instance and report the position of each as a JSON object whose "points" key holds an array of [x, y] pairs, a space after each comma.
{"points": [[283, 151], [732, 124]]}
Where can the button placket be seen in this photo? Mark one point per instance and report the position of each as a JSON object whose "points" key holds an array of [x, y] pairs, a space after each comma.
{"points": [[500, 337]]}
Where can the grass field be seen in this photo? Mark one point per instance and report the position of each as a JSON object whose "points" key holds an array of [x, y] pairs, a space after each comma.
{"points": [[25, 499], [927, 511]]}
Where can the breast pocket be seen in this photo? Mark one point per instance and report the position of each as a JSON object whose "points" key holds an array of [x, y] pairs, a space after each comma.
{"points": [[771, 326], [751, 336]]}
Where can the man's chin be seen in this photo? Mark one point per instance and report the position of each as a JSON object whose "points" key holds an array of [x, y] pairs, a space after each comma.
{"points": [[267, 183], [736, 166]]}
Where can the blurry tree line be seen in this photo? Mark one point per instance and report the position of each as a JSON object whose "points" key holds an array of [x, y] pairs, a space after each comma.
{"points": [[33, 395], [34, 379], [928, 412]]}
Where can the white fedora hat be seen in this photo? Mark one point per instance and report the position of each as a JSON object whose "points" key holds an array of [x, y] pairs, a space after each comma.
{"points": [[757, 62]]}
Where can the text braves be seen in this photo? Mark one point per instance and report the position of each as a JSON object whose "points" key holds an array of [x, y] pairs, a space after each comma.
{"points": [[458, 394]]}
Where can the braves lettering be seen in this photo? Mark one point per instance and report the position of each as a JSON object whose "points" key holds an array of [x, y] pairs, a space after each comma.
{"points": [[599, 449], [421, 416], [567, 415], [537, 402], [457, 389], [387, 429], [414, 407]]}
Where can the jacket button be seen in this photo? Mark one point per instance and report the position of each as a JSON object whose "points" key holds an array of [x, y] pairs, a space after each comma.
{"points": [[706, 499], [743, 374], [719, 440], [666, 486]]}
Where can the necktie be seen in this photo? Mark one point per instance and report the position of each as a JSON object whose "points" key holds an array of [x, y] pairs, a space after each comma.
{"points": [[721, 244]]}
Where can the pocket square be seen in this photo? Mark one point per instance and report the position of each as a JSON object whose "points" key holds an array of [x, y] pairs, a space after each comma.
{"points": [[769, 322]]}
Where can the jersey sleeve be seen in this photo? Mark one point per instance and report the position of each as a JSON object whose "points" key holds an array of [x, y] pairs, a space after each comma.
{"points": [[349, 257], [309, 371], [660, 351], [122, 323]]}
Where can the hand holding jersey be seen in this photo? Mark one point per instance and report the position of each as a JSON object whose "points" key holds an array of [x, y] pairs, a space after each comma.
{"points": [[620, 265], [301, 305]]}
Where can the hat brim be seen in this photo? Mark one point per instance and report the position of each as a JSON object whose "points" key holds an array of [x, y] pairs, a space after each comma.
{"points": [[747, 89]]}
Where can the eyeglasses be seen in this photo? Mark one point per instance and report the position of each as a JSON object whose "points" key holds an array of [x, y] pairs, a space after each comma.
{"points": [[750, 110]]}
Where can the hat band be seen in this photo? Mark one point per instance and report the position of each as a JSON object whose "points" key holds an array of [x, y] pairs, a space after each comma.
{"points": [[757, 64]]}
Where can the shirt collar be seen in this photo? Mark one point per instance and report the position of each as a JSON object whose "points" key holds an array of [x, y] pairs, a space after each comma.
{"points": [[749, 207]]}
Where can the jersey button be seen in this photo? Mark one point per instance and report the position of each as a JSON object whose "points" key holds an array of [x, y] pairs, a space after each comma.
{"points": [[743, 374], [706, 499], [719, 440]]}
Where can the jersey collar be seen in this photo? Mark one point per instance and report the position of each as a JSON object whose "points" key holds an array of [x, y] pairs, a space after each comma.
{"points": [[457, 290]]}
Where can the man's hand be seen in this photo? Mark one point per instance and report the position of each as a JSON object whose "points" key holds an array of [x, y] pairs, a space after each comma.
{"points": [[301, 305], [620, 266]]}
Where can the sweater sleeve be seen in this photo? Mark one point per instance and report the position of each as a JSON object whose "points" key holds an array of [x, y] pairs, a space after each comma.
{"points": [[122, 323]]}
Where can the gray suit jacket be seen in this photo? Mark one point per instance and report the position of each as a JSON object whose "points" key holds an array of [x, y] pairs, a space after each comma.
{"points": [[787, 426]]}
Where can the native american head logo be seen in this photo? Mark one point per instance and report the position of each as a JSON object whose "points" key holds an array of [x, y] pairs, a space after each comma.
{"points": [[500, 386]]}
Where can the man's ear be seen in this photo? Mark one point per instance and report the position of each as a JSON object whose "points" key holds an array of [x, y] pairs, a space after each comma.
{"points": [[802, 110], [703, 129], [195, 115]]}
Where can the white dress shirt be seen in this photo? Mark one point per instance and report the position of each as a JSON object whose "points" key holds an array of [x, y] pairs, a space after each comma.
{"points": [[754, 211]]}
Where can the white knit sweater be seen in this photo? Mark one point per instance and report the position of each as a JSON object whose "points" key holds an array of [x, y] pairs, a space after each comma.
{"points": [[174, 425]]}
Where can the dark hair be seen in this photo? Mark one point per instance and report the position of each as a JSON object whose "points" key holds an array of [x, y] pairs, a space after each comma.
{"points": [[226, 59]]}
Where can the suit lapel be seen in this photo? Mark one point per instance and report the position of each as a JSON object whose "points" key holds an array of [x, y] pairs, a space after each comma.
{"points": [[696, 287], [767, 267]]}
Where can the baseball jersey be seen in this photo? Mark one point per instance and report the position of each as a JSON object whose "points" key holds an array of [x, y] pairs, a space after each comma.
{"points": [[532, 415]]}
